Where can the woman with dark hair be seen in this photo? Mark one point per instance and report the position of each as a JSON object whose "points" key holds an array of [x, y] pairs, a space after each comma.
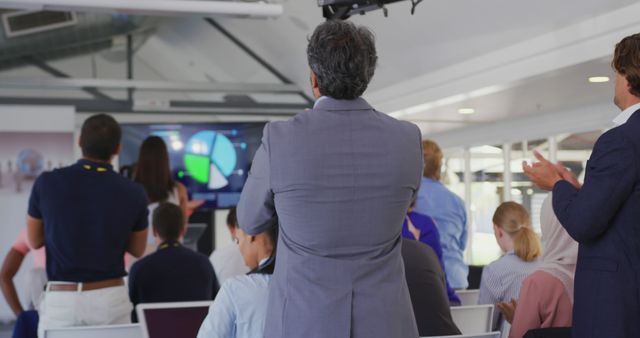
{"points": [[153, 171]]}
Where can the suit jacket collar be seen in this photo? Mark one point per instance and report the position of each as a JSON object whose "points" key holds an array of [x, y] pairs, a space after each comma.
{"points": [[635, 116], [626, 114], [328, 103]]}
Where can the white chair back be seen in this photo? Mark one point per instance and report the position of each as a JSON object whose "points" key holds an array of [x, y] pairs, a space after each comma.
{"points": [[473, 319], [506, 328], [468, 297], [102, 331], [495, 334]]}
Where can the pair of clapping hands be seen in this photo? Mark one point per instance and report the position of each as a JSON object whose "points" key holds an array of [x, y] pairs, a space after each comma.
{"points": [[508, 309], [545, 174]]}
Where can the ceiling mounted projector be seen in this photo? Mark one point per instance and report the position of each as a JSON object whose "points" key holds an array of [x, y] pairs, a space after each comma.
{"points": [[343, 9]]}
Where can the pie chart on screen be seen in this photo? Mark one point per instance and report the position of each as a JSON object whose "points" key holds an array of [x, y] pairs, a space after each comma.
{"points": [[210, 159]]}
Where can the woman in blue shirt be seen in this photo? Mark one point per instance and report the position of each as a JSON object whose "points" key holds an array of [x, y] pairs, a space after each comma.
{"points": [[422, 228]]}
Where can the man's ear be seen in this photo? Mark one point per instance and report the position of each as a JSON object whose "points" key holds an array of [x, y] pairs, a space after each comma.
{"points": [[314, 85], [118, 149]]}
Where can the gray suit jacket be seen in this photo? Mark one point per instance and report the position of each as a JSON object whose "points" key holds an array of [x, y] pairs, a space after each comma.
{"points": [[337, 180]]}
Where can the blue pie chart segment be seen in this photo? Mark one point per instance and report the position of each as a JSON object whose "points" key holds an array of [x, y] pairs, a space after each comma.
{"points": [[210, 159], [224, 155]]}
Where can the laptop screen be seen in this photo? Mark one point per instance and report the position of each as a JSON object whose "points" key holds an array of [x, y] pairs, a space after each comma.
{"points": [[175, 322]]}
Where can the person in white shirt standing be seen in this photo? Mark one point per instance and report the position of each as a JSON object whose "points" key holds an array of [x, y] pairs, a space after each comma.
{"points": [[227, 261]]}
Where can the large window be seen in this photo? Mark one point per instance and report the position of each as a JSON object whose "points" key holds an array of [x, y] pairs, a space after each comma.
{"points": [[491, 182]]}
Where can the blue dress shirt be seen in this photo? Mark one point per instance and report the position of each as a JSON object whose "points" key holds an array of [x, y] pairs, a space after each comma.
{"points": [[449, 213], [501, 281], [240, 308]]}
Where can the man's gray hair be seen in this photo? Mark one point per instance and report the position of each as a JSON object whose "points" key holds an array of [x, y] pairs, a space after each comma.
{"points": [[343, 57]]}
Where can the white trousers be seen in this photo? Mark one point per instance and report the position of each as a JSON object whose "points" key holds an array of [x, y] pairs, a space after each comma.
{"points": [[106, 306]]}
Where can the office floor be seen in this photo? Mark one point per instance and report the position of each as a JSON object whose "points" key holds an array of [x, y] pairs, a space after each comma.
{"points": [[6, 330]]}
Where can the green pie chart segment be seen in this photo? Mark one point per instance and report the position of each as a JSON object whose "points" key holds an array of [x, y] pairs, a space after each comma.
{"points": [[198, 167]]}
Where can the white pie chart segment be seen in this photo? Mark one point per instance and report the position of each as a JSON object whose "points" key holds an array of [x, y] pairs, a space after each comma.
{"points": [[216, 179]]}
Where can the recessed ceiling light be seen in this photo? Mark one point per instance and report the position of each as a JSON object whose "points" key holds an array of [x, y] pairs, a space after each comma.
{"points": [[466, 111], [599, 79]]}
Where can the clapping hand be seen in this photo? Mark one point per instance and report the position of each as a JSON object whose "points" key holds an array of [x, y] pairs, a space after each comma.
{"points": [[545, 174], [508, 310]]}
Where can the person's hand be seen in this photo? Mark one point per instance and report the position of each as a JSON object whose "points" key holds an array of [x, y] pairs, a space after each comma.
{"points": [[543, 173], [568, 176], [508, 310], [194, 204]]}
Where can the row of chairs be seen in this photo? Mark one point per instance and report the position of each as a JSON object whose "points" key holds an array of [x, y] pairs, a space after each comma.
{"points": [[157, 320], [473, 321]]}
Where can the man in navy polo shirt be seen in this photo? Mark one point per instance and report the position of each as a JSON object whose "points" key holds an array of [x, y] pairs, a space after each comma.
{"points": [[87, 216], [173, 273]]}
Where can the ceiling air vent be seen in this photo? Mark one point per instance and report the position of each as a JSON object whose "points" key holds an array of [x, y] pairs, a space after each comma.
{"points": [[30, 22]]}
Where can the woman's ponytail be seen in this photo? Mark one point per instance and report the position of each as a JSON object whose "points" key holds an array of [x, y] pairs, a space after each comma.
{"points": [[514, 219]]}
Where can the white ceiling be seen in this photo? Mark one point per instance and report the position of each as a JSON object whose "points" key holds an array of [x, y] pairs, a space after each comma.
{"points": [[504, 58], [550, 92]]}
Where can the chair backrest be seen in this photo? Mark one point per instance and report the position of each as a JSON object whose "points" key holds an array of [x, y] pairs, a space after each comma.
{"points": [[495, 334], [102, 331], [468, 297], [473, 319], [169, 320], [505, 329]]}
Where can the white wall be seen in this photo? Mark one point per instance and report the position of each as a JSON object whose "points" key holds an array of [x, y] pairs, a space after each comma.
{"points": [[47, 130], [223, 238]]}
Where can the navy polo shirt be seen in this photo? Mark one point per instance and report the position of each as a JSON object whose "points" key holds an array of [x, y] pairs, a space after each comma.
{"points": [[172, 274], [89, 213]]}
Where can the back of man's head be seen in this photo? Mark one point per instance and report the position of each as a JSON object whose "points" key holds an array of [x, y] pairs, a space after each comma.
{"points": [[168, 221], [432, 159], [100, 137], [343, 58], [626, 61]]}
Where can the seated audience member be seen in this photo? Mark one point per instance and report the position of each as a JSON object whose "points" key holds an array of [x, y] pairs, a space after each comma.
{"points": [[449, 213], [426, 282], [227, 261], [173, 273], [546, 296], [501, 279], [422, 228], [240, 309], [36, 278]]}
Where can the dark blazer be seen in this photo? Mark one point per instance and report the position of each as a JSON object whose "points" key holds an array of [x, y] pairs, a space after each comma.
{"points": [[426, 282], [172, 274], [604, 217]]}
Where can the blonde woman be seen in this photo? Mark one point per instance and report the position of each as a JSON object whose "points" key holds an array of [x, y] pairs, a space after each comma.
{"points": [[501, 280], [546, 296]]}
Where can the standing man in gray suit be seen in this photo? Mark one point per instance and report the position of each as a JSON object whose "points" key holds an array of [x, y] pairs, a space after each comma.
{"points": [[337, 180]]}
